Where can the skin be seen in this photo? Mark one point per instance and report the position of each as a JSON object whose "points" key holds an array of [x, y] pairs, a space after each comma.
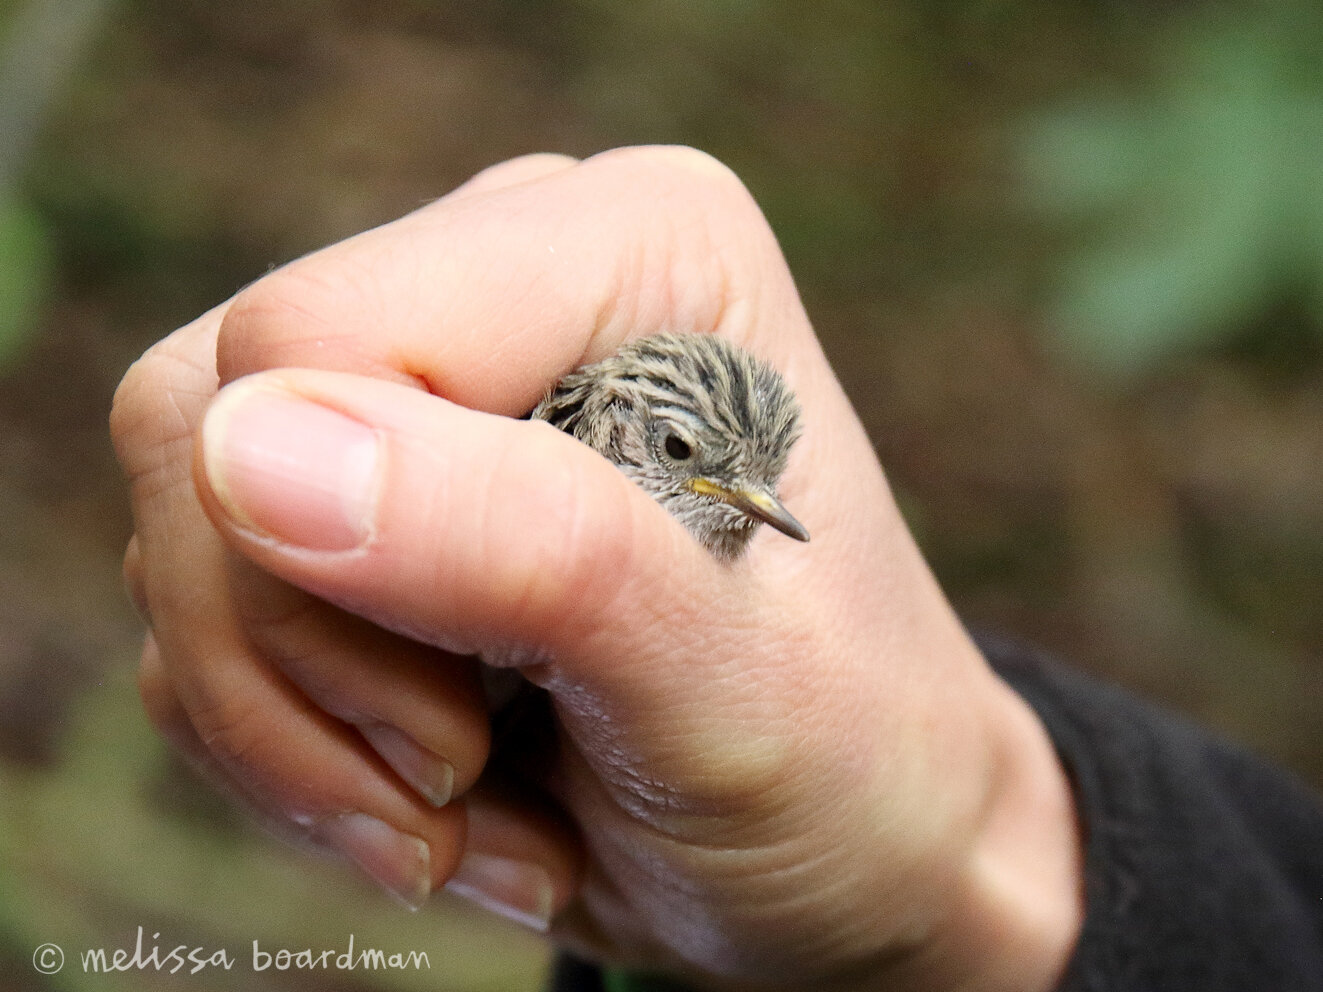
{"points": [[789, 771]]}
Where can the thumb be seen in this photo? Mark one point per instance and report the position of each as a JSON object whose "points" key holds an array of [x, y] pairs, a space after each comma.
{"points": [[473, 532]]}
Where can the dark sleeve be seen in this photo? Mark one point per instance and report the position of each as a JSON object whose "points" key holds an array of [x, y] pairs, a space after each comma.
{"points": [[1203, 866]]}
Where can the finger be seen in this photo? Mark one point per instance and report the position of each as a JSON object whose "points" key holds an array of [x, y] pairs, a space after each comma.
{"points": [[485, 300], [157, 405], [166, 713], [352, 835], [134, 585], [292, 757], [171, 720], [523, 860], [168, 717], [421, 709], [525, 168], [419, 725], [295, 763]]}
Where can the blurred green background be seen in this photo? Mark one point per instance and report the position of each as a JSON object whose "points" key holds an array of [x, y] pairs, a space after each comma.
{"points": [[1067, 258]]}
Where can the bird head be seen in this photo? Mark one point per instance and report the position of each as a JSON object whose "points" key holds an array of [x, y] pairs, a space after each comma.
{"points": [[701, 425]]}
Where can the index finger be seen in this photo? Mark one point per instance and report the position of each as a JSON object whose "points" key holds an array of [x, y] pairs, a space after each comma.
{"points": [[486, 297]]}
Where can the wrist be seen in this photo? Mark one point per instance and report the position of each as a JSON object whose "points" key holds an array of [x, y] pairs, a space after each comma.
{"points": [[1011, 908], [1018, 911], [1012, 914]]}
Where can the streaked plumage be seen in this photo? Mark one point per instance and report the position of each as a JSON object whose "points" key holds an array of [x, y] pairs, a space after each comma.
{"points": [[701, 425]]}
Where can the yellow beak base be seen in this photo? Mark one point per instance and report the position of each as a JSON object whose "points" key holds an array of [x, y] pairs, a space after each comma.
{"points": [[756, 503]]}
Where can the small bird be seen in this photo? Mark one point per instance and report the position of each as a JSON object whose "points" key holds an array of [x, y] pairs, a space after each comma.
{"points": [[702, 426]]}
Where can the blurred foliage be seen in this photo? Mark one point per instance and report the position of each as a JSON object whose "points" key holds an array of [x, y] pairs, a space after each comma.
{"points": [[1202, 184], [39, 43], [26, 275]]}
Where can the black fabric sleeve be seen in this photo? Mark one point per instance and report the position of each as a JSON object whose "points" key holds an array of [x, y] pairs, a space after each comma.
{"points": [[1204, 866]]}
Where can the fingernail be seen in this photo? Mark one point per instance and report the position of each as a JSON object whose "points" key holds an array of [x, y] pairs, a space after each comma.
{"points": [[427, 772], [290, 468], [398, 862], [514, 889]]}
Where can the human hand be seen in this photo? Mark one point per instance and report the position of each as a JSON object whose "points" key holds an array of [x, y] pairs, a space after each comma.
{"points": [[794, 770]]}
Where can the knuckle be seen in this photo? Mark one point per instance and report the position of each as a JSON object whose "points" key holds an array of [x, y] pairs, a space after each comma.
{"points": [[699, 225], [288, 628], [515, 170], [316, 312], [269, 608], [126, 409], [156, 403], [682, 162], [135, 583], [689, 180], [232, 728], [158, 697], [257, 325]]}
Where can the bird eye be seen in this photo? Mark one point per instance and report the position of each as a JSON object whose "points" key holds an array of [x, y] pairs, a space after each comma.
{"points": [[678, 448]]}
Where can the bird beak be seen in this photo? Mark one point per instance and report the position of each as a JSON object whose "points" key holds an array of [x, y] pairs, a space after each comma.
{"points": [[757, 503]]}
